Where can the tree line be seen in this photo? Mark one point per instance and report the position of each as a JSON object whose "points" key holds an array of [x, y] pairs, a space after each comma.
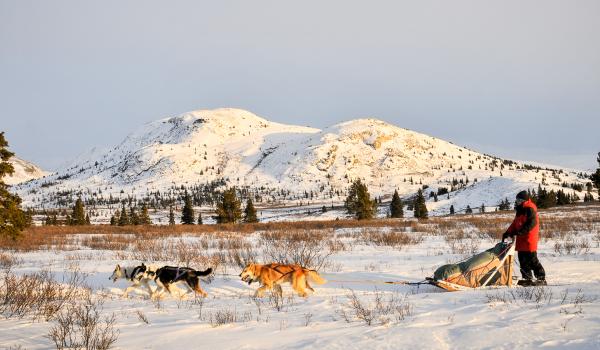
{"points": [[13, 219]]}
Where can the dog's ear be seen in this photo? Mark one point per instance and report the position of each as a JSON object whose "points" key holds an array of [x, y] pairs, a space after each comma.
{"points": [[118, 267], [143, 265]]}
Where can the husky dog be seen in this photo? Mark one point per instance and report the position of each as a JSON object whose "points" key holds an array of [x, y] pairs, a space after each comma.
{"points": [[272, 275], [137, 275], [167, 275]]}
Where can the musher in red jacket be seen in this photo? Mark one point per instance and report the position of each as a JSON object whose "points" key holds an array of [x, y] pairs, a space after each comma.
{"points": [[526, 227]]}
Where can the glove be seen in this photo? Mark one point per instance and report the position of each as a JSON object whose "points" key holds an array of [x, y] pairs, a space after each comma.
{"points": [[505, 235]]}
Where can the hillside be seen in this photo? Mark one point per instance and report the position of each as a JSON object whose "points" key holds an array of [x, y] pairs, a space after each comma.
{"points": [[24, 171], [287, 165]]}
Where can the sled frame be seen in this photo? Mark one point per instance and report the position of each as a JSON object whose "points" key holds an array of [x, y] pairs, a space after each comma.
{"points": [[452, 287]]}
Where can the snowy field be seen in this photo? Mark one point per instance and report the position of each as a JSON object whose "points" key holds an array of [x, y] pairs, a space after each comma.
{"points": [[354, 310]]}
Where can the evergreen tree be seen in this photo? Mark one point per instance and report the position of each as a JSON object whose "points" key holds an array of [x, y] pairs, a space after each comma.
{"points": [[200, 218], [482, 208], [78, 217], [229, 208], [87, 219], [468, 210], [504, 204], [187, 213], [134, 218], [359, 201], [113, 221], [171, 216], [396, 210], [250, 212], [144, 216], [419, 206], [12, 219], [595, 177], [123, 218], [452, 210]]}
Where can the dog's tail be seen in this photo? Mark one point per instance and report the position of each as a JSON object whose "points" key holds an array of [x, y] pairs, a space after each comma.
{"points": [[315, 277], [204, 273]]}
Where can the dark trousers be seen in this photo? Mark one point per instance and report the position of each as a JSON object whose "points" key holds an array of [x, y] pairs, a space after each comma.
{"points": [[529, 261]]}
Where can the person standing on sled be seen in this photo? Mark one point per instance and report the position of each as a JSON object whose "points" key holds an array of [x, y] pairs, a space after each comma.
{"points": [[526, 227]]}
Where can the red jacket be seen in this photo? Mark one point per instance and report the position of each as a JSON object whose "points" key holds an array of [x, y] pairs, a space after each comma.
{"points": [[526, 226]]}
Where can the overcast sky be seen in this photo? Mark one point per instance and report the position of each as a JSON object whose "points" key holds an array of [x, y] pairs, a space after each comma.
{"points": [[518, 79]]}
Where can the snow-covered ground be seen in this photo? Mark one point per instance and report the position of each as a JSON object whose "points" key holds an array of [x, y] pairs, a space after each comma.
{"points": [[565, 314]]}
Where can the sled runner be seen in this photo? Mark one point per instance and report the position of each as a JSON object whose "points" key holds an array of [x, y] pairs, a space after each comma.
{"points": [[493, 267]]}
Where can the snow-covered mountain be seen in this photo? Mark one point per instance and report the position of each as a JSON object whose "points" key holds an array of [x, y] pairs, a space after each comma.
{"points": [[24, 171], [287, 164]]}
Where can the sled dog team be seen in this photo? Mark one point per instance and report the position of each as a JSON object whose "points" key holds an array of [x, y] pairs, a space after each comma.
{"points": [[269, 276]]}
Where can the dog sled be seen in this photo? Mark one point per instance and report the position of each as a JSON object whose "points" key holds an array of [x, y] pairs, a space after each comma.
{"points": [[493, 267]]}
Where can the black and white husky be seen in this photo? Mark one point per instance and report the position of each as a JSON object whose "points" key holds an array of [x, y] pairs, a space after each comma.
{"points": [[167, 275], [136, 275]]}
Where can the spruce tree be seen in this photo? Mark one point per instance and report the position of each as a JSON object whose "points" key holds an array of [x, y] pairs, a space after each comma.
{"points": [[250, 212], [144, 216], [451, 209], [396, 210], [87, 219], [419, 206], [123, 218], [229, 207], [12, 219], [78, 217], [200, 218], [359, 202], [468, 210], [171, 216], [134, 218], [187, 214]]}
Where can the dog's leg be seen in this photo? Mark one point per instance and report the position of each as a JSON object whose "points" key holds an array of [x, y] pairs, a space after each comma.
{"points": [[261, 291], [298, 285], [199, 290], [167, 287], [160, 289], [278, 290], [130, 288], [308, 286], [147, 285]]}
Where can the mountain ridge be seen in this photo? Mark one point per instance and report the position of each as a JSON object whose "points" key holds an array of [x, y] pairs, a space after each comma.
{"points": [[285, 163]]}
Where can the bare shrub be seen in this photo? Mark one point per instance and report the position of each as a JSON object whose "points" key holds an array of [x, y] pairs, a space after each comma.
{"points": [[391, 239], [241, 257], [380, 309], [81, 326], [309, 249], [38, 294], [142, 317], [307, 319], [461, 244], [8, 261], [572, 246], [227, 316], [107, 242], [537, 295]]}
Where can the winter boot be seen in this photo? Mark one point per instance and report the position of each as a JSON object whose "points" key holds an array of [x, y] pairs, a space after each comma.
{"points": [[525, 283]]}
